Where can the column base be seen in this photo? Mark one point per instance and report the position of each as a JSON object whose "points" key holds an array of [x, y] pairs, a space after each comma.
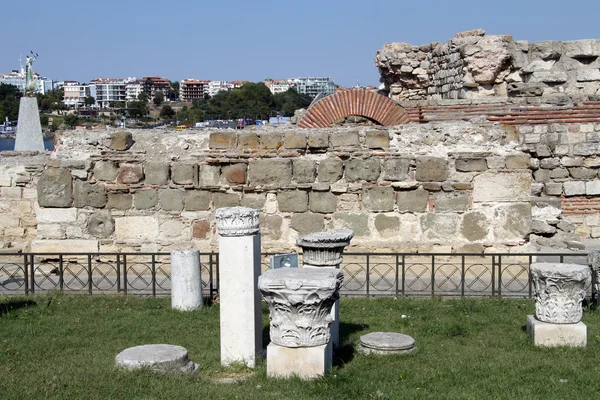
{"points": [[304, 362], [545, 334]]}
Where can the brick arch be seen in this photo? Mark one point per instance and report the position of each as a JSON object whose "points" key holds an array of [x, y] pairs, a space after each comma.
{"points": [[359, 102]]}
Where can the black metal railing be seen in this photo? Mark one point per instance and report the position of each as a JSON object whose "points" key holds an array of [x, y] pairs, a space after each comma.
{"points": [[365, 274]]}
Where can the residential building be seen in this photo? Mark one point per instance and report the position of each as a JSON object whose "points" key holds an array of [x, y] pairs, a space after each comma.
{"points": [[235, 84], [155, 84], [109, 92], [277, 85], [133, 88], [313, 86], [75, 93], [215, 87], [17, 78], [192, 89]]}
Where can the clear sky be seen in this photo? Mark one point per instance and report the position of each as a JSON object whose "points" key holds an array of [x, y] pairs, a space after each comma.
{"points": [[253, 39]]}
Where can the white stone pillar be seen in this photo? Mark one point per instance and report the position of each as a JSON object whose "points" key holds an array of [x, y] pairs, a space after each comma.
{"points": [[186, 282], [239, 298], [325, 249], [29, 130]]}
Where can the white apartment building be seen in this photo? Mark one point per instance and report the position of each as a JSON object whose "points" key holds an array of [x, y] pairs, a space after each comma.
{"points": [[75, 93], [215, 87], [314, 86], [277, 85], [109, 91], [17, 78], [133, 88]]}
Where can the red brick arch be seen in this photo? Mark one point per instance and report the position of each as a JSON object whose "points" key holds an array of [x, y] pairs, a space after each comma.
{"points": [[359, 102]]}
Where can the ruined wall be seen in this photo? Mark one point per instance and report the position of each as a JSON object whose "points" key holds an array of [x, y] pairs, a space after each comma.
{"points": [[472, 65]]}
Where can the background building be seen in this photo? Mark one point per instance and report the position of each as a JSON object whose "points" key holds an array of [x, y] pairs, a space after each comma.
{"points": [[109, 92], [133, 88], [155, 84], [313, 86], [17, 78], [277, 85], [75, 93], [193, 89]]}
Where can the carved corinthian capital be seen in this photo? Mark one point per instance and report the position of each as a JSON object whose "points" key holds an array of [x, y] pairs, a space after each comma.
{"points": [[324, 248], [300, 302], [559, 291], [237, 221]]}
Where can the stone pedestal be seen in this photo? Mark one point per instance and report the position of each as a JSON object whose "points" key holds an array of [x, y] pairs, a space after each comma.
{"points": [[545, 334], [29, 130], [186, 282], [384, 343], [157, 357], [325, 249], [239, 298], [300, 302]]}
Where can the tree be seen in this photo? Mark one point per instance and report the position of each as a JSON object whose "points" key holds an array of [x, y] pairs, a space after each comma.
{"points": [[289, 101], [71, 120], [174, 90], [158, 99], [167, 112], [9, 101], [137, 109], [143, 97], [89, 101]]}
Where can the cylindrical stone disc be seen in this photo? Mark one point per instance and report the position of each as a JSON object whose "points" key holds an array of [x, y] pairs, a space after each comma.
{"points": [[387, 341], [160, 357]]}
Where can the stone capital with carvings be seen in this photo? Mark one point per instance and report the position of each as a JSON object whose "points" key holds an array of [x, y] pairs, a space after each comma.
{"points": [[237, 221], [324, 248], [559, 291], [300, 302]]}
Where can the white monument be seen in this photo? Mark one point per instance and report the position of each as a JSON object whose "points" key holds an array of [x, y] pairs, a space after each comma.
{"points": [[300, 303], [559, 291], [186, 281], [29, 129], [239, 269]]}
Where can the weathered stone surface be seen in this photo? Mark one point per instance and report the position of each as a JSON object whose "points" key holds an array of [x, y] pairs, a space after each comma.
{"points": [[378, 199], [413, 200], [105, 171], [512, 222], [222, 140], [318, 140], [64, 246], [156, 357], [377, 140], [196, 200], [542, 228], [330, 170], [130, 173], [582, 173], [55, 216], [304, 171], [553, 189], [542, 175], [505, 186], [358, 223], [395, 169], [271, 140], [237, 221], [545, 334], [475, 226], [184, 173], [559, 173], [451, 201], [292, 201], [145, 199], [55, 188], [305, 223], [200, 229], [89, 194], [235, 173], [383, 343], [517, 161], [136, 227], [208, 175], [121, 141], [592, 188], [439, 226], [431, 169], [585, 48], [272, 172], [386, 224], [294, 140], [271, 226], [119, 201], [471, 164], [366, 170], [225, 200], [574, 188], [254, 200], [324, 249], [101, 224], [156, 173], [322, 202], [549, 163], [344, 139], [171, 199], [247, 140]]}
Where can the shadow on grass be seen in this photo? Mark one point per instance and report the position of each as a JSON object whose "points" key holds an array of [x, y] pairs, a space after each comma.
{"points": [[345, 353], [14, 304]]}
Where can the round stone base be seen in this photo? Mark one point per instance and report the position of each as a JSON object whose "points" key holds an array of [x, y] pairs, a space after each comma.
{"points": [[386, 343], [157, 357]]}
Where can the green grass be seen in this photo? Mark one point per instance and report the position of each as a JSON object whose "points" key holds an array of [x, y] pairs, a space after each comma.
{"points": [[64, 347]]}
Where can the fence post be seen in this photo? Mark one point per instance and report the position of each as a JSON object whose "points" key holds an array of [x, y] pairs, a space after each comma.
{"points": [[462, 276], [124, 273], [26, 274], [153, 275], [61, 276], [32, 273], [89, 268], [432, 275]]}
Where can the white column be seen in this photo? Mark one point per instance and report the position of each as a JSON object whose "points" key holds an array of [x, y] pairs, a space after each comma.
{"points": [[239, 298], [186, 283]]}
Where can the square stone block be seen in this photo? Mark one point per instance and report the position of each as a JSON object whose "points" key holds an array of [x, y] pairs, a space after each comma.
{"points": [[544, 334], [304, 362]]}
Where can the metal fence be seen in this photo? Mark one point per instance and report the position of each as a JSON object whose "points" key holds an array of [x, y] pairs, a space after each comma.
{"points": [[365, 274]]}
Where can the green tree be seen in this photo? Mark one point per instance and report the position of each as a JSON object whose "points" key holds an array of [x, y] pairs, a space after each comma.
{"points": [[167, 112], [289, 101], [44, 120], [137, 109], [143, 97], [174, 90], [158, 99], [89, 101], [71, 120], [9, 101]]}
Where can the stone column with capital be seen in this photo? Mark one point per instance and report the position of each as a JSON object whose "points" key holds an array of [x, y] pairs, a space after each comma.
{"points": [[239, 269], [325, 250], [300, 303]]}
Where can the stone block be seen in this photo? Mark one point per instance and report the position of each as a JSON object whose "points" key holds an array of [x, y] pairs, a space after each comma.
{"points": [[121, 141], [56, 216], [208, 175], [8, 221], [254, 200], [201, 229], [451, 201], [235, 173], [105, 171], [5, 180], [89, 194], [222, 140], [362, 170], [359, 223], [64, 246], [304, 171], [318, 140], [101, 224], [55, 188], [378, 199], [470, 164], [13, 193], [292, 201], [271, 140], [559, 173], [221, 200], [271, 172], [270, 226], [553, 189], [431, 169], [322, 202], [196, 200], [413, 200], [294, 140], [549, 163], [439, 226], [330, 170], [475, 226], [377, 140], [581, 173], [145, 199], [504, 186], [305, 223], [545, 334], [395, 169], [247, 140], [387, 224], [586, 149], [184, 173], [130, 173], [541, 175], [344, 139], [156, 173], [574, 188], [304, 362], [592, 188], [512, 222], [119, 201], [136, 227], [171, 199]]}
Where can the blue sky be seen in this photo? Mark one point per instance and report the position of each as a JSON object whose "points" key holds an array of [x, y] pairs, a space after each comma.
{"points": [[252, 40]]}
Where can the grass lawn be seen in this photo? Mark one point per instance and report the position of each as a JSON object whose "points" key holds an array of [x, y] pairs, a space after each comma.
{"points": [[64, 347]]}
